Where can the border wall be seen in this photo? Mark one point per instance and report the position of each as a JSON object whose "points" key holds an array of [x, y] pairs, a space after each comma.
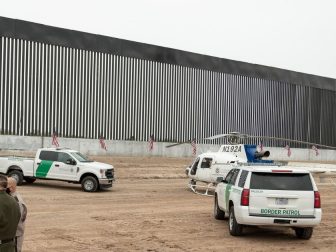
{"points": [[84, 85], [16, 144]]}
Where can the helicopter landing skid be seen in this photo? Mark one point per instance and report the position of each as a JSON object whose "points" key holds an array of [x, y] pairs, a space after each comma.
{"points": [[206, 190]]}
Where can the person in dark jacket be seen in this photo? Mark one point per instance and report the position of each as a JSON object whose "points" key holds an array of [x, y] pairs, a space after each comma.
{"points": [[9, 218], [23, 209]]}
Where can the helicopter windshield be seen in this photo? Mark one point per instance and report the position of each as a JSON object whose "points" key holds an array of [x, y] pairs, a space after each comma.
{"points": [[194, 167]]}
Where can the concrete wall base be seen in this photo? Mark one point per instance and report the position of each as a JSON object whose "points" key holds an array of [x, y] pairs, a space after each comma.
{"points": [[133, 148]]}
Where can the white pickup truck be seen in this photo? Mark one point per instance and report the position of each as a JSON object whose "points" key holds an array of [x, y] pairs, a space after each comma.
{"points": [[269, 196], [59, 164]]}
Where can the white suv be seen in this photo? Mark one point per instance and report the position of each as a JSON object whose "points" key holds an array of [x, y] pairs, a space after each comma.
{"points": [[269, 196]]}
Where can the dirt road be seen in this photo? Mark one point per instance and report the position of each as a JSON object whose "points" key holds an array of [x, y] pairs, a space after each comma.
{"points": [[150, 209]]}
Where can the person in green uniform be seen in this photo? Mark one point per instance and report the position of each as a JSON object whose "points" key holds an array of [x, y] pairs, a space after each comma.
{"points": [[9, 218]]}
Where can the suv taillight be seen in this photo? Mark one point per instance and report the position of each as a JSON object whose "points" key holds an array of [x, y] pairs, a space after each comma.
{"points": [[245, 197], [317, 200]]}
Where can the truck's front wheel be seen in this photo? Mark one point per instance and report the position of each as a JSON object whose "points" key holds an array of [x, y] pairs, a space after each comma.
{"points": [[17, 175], [90, 184]]}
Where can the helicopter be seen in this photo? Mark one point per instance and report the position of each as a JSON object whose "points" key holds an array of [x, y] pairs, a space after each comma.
{"points": [[211, 167]]}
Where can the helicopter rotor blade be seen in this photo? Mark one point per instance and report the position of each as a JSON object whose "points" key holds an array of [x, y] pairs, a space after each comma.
{"points": [[175, 144], [293, 141], [232, 137], [236, 137], [217, 136]]}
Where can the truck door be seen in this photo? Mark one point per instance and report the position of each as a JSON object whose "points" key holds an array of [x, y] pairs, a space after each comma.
{"points": [[66, 166], [45, 164]]}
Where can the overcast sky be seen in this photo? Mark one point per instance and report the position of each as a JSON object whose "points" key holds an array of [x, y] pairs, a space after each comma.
{"points": [[298, 35]]}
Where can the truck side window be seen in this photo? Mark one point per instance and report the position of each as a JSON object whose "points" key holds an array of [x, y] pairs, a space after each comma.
{"points": [[63, 157], [48, 155]]}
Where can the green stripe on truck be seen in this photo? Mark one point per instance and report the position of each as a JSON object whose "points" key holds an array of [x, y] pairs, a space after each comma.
{"points": [[43, 169]]}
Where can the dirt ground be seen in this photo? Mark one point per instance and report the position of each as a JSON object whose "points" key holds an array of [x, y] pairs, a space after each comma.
{"points": [[150, 208]]}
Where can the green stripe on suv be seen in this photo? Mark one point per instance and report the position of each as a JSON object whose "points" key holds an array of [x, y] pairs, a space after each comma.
{"points": [[43, 169], [227, 195]]}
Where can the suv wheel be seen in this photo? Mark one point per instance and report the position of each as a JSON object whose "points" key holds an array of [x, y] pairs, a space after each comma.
{"points": [[234, 228], [90, 184], [218, 213], [304, 233], [17, 175]]}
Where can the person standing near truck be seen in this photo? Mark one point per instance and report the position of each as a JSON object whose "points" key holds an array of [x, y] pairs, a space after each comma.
{"points": [[23, 209], [9, 218]]}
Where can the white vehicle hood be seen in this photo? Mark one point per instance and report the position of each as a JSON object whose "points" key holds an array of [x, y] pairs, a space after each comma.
{"points": [[96, 165]]}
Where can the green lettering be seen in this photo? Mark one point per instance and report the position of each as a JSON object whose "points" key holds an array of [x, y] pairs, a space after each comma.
{"points": [[290, 212]]}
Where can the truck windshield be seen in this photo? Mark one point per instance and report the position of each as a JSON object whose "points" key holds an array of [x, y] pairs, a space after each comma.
{"points": [[281, 181], [80, 157]]}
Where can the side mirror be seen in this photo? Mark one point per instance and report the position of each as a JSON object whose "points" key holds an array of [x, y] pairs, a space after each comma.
{"points": [[219, 179], [71, 162]]}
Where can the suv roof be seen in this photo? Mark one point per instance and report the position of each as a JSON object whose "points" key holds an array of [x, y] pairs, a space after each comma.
{"points": [[273, 169]]}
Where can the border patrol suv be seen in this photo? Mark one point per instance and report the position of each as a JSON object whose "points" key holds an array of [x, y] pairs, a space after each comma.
{"points": [[59, 164], [269, 196]]}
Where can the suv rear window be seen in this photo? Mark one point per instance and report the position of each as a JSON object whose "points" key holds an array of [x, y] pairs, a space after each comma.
{"points": [[281, 181]]}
